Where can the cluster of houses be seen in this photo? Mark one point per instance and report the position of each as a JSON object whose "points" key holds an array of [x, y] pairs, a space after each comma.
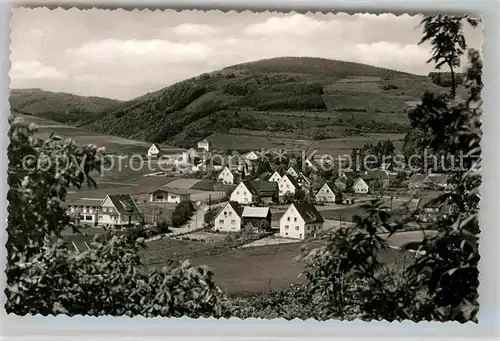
{"points": [[299, 221]]}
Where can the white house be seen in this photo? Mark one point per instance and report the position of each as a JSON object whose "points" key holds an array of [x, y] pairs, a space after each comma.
{"points": [[226, 176], [244, 194], [293, 171], [251, 156], [170, 195], [85, 210], [287, 184], [275, 177], [360, 186], [119, 210], [329, 193], [251, 192], [204, 144], [300, 221], [154, 150], [229, 218]]}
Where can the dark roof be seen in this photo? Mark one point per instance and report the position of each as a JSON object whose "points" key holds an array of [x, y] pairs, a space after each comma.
{"points": [[376, 174], [309, 213], [236, 207], [292, 180], [262, 188], [178, 190], [84, 202], [124, 203], [333, 187]]}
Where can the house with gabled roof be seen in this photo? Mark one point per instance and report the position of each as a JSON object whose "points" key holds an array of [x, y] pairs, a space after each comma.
{"points": [[204, 144], [251, 156], [154, 150], [293, 171], [229, 218], [303, 181], [275, 177], [119, 210], [360, 186], [170, 195], [226, 176], [329, 193], [301, 221], [251, 192], [287, 184]]}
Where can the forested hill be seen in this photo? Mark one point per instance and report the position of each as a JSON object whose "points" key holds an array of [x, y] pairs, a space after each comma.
{"points": [[58, 106], [309, 98]]}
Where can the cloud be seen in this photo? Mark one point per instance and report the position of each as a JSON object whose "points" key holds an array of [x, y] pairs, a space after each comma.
{"points": [[196, 30], [297, 25], [35, 70], [391, 55], [150, 50]]}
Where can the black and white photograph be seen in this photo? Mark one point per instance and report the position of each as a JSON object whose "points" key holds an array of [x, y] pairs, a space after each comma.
{"points": [[273, 165]]}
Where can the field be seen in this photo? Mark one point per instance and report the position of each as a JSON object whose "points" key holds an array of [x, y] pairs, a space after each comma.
{"points": [[244, 141], [113, 144]]}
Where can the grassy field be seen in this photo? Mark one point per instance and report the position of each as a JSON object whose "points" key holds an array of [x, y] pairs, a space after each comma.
{"points": [[113, 144], [258, 269], [339, 146]]}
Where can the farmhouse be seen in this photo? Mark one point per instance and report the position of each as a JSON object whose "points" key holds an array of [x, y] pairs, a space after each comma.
{"points": [[329, 193], [300, 221], [251, 192], [287, 184], [204, 144], [229, 219], [170, 195], [275, 177], [256, 217], [293, 171], [360, 186], [85, 210], [226, 176], [119, 210], [154, 150]]}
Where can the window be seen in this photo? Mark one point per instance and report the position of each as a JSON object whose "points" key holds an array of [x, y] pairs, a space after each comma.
{"points": [[287, 186], [160, 197], [295, 219], [221, 221], [296, 228], [230, 214], [233, 222], [286, 227], [225, 214], [237, 192], [173, 196], [286, 234], [245, 193], [288, 219], [88, 217]]}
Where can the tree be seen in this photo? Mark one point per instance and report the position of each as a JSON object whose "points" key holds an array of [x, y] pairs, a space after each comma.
{"points": [[448, 41], [442, 281], [45, 277]]}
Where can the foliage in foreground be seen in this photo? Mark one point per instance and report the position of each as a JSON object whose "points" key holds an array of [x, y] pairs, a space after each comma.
{"points": [[44, 277]]}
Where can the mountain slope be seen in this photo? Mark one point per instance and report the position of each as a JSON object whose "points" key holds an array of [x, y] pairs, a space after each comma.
{"points": [[302, 98], [59, 106]]}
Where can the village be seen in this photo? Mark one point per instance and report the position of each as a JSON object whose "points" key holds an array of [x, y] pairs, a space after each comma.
{"points": [[201, 194]]}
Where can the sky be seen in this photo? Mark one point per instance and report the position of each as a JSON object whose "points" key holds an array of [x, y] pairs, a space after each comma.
{"points": [[124, 54]]}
